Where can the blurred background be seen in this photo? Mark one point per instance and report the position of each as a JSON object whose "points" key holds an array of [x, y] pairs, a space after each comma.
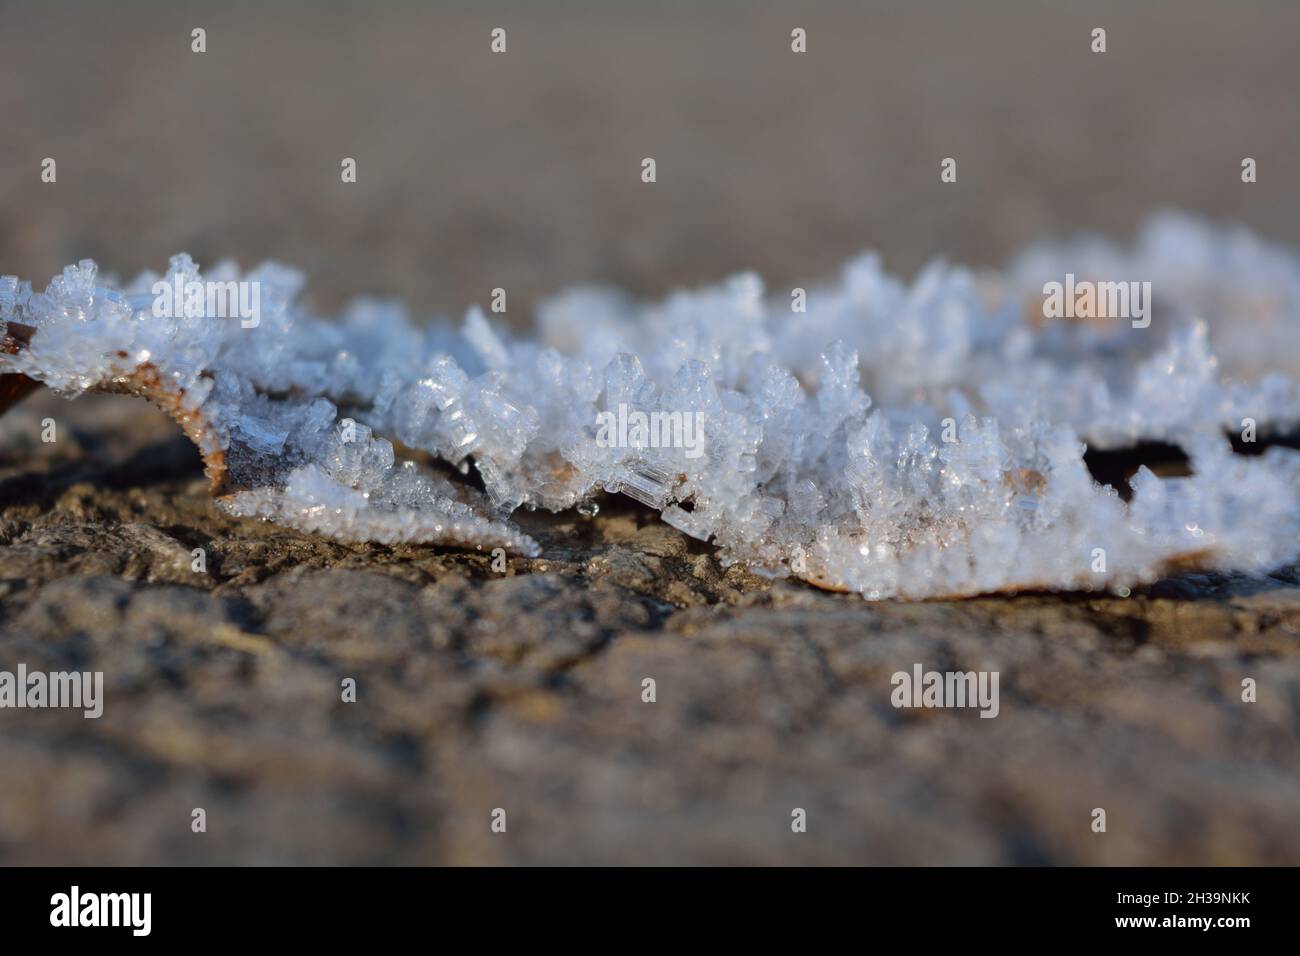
{"points": [[522, 170]]}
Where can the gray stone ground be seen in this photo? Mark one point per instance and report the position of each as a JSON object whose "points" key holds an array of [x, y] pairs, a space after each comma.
{"points": [[523, 691]]}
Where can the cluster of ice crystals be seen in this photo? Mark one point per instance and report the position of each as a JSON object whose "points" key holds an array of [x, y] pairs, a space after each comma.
{"points": [[894, 439]]}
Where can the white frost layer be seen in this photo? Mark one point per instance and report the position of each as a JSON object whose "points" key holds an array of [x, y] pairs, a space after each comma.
{"points": [[825, 450]]}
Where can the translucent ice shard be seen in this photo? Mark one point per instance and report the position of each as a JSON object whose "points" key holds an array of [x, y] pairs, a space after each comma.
{"points": [[891, 439]]}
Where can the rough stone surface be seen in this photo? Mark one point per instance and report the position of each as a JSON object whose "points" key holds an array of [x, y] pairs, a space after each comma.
{"points": [[522, 690]]}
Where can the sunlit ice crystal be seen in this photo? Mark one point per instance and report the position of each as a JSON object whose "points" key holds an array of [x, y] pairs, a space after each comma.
{"points": [[894, 439]]}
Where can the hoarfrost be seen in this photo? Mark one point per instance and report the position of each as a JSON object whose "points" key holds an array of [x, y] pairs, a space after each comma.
{"points": [[895, 439]]}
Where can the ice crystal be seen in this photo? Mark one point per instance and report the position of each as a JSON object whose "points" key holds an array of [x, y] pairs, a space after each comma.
{"points": [[893, 439]]}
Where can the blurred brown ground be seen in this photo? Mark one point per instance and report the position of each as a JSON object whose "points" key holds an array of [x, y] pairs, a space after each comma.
{"points": [[522, 170], [522, 691]]}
